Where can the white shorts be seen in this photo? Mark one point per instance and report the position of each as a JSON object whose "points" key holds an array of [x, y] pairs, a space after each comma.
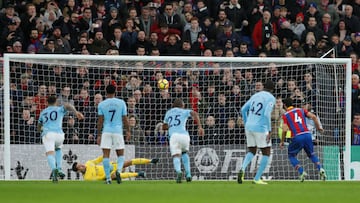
{"points": [[53, 141], [112, 140], [179, 143], [256, 139]]}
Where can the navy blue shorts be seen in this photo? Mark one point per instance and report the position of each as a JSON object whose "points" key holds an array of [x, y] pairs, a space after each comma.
{"points": [[300, 142]]}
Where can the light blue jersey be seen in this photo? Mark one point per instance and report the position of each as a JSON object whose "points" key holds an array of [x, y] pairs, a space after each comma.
{"points": [[176, 119], [113, 109], [51, 119], [256, 112]]}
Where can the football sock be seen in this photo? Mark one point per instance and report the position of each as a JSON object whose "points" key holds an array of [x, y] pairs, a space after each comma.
{"points": [[51, 161], [128, 175], [106, 163], [186, 161], [296, 164], [263, 164], [139, 161], [58, 158], [249, 156], [177, 164], [316, 161], [120, 163]]}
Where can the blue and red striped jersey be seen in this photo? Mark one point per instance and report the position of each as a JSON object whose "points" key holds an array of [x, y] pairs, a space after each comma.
{"points": [[295, 119]]}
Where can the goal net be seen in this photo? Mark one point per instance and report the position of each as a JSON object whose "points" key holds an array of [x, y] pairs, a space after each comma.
{"points": [[216, 88]]}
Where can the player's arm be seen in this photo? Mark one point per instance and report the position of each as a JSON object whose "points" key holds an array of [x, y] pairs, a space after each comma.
{"points": [[125, 121], [244, 111], [316, 121], [196, 117], [100, 122], [70, 107]]}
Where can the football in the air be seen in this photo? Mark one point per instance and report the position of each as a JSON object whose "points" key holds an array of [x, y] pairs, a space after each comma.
{"points": [[163, 84]]}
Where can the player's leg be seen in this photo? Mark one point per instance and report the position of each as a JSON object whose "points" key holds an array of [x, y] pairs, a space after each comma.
{"points": [[105, 145], [185, 143], [119, 146], [175, 151], [248, 157], [251, 144], [58, 154], [49, 144], [263, 142], [309, 149], [294, 148]]}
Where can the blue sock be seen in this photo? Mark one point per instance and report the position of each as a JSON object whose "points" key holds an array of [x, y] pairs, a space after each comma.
{"points": [[106, 163], [120, 163], [177, 164], [316, 161], [51, 161], [249, 156], [186, 161], [58, 158], [296, 164], [263, 164]]}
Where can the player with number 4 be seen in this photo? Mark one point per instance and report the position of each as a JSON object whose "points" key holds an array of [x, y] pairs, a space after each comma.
{"points": [[294, 120], [256, 114]]}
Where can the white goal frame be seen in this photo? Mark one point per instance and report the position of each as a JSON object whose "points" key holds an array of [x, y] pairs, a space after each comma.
{"points": [[8, 57]]}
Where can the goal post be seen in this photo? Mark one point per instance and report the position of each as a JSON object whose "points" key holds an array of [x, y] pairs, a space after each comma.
{"points": [[215, 157]]}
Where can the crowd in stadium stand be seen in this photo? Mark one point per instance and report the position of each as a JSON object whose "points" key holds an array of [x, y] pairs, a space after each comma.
{"points": [[233, 28]]}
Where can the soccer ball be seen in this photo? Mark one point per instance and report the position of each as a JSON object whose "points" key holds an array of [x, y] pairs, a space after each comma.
{"points": [[163, 84]]}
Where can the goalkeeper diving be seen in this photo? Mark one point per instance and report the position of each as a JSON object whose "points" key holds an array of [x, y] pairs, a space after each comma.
{"points": [[94, 170]]}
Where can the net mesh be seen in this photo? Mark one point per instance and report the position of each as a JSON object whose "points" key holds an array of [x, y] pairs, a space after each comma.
{"points": [[216, 90]]}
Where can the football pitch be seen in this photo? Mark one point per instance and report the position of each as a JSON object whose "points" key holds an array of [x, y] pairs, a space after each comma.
{"points": [[170, 192]]}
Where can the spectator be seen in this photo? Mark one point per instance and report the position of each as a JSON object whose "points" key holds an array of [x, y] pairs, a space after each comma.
{"points": [[40, 100], [137, 134], [326, 8], [356, 43], [276, 119], [72, 131], [262, 32], [28, 19], [345, 47], [341, 30], [173, 44], [355, 103], [312, 12], [296, 49], [170, 18], [26, 129], [327, 25], [312, 27], [228, 35], [60, 42], [273, 47], [65, 96], [298, 26], [202, 10], [211, 135], [355, 133], [132, 85], [352, 21], [233, 134], [99, 45], [236, 14], [12, 33], [146, 21]]}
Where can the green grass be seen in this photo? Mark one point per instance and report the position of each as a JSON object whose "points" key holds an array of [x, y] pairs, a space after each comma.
{"points": [[170, 192]]}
